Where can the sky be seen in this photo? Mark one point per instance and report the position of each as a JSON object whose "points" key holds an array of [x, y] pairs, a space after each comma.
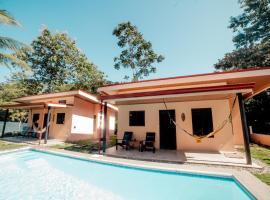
{"points": [[191, 34]]}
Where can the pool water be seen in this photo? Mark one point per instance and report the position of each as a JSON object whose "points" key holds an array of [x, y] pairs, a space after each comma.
{"points": [[31, 174]]}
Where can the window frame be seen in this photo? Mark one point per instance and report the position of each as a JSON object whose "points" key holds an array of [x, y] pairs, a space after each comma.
{"points": [[136, 117], [35, 122], [62, 120], [203, 119]]}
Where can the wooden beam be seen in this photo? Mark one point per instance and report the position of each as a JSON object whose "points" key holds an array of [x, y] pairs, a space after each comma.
{"points": [[105, 128], [244, 128], [5, 122]]}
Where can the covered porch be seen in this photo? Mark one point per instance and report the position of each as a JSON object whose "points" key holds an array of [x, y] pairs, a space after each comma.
{"points": [[197, 118], [37, 129], [234, 158]]}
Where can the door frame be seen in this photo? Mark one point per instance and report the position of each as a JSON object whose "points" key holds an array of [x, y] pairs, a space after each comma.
{"points": [[173, 144]]}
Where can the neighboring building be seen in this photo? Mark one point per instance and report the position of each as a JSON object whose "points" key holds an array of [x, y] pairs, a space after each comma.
{"points": [[198, 104], [75, 115]]}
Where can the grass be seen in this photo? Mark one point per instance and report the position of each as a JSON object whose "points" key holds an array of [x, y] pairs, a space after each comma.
{"points": [[8, 145], [264, 177], [84, 146], [262, 154]]}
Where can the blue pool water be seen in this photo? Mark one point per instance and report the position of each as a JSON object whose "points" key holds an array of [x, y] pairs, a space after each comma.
{"points": [[32, 174]]}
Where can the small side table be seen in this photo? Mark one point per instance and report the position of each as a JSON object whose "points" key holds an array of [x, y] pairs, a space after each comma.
{"points": [[134, 143]]}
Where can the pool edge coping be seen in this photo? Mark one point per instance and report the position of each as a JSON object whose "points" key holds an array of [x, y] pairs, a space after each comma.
{"points": [[239, 178], [86, 157]]}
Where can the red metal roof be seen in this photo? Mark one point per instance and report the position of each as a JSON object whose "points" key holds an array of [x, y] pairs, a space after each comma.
{"points": [[186, 76]]}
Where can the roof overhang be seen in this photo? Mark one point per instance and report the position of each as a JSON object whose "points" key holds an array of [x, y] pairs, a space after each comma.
{"points": [[42, 97], [33, 105], [44, 100], [260, 76], [245, 89]]}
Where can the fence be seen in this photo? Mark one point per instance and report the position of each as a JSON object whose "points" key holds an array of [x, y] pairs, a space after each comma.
{"points": [[11, 127]]}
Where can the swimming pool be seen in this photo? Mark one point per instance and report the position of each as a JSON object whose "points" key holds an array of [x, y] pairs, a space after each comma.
{"points": [[32, 174]]}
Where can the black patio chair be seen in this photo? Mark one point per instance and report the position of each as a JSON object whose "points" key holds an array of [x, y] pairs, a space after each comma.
{"points": [[25, 131], [148, 143], [125, 142]]}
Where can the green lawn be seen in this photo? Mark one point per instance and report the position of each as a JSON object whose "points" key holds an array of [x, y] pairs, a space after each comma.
{"points": [[8, 145], [84, 146], [262, 154]]}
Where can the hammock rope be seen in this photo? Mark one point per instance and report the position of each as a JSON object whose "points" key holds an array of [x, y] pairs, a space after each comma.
{"points": [[217, 130]]}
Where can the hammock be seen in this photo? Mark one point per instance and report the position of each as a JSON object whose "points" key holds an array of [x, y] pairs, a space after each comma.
{"points": [[217, 130]]}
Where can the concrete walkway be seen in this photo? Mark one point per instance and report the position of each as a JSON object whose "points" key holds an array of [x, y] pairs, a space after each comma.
{"points": [[32, 141], [173, 156]]}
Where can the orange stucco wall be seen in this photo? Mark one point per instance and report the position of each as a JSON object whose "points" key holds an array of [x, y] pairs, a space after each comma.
{"points": [[238, 139], [81, 120], [261, 139], [223, 141]]}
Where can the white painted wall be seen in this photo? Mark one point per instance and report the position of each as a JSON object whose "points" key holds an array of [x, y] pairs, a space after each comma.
{"points": [[82, 125]]}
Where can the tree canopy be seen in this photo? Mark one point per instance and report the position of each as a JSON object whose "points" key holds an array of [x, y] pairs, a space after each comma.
{"points": [[253, 25], [7, 43], [252, 42], [137, 53], [57, 64]]}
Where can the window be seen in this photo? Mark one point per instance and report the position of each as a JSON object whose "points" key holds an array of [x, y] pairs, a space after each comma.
{"points": [[136, 118], [62, 102], [202, 122], [60, 118]]}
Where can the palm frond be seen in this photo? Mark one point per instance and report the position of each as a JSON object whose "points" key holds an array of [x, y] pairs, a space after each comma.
{"points": [[6, 18], [6, 59], [9, 43]]}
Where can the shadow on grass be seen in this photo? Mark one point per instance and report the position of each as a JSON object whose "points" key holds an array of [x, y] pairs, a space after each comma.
{"points": [[84, 146]]}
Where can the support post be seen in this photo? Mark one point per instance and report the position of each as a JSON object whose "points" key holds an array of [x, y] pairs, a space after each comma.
{"points": [[42, 122], [100, 126], [5, 122], [47, 125], [244, 128], [105, 128]]}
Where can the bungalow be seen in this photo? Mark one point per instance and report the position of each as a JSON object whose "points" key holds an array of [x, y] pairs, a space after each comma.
{"points": [[202, 112], [72, 115]]}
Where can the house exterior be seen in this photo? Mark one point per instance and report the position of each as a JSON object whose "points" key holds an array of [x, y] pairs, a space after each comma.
{"points": [[181, 109], [74, 115]]}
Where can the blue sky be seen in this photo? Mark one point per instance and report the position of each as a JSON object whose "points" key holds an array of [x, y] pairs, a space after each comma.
{"points": [[191, 34]]}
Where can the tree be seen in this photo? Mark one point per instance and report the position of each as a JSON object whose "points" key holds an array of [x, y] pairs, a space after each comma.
{"points": [[57, 64], [252, 41], [137, 53], [246, 57], [7, 43], [9, 91], [253, 25]]}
